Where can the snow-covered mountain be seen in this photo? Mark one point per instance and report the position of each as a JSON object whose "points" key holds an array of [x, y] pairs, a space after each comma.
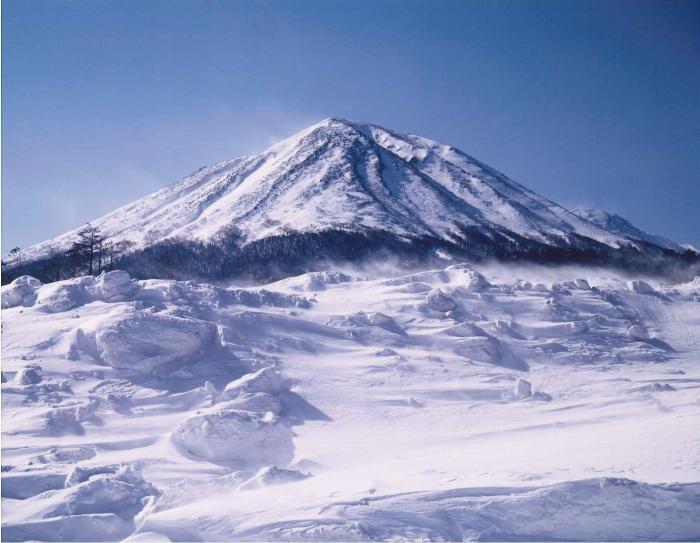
{"points": [[622, 227], [354, 177]]}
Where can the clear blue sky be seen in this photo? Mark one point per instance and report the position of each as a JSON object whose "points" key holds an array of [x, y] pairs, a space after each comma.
{"points": [[588, 103]]}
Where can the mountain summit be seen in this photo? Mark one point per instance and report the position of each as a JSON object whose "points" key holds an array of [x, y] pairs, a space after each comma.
{"points": [[359, 180]]}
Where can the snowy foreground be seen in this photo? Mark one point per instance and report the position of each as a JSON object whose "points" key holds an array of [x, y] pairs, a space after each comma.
{"points": [[446, 405]]}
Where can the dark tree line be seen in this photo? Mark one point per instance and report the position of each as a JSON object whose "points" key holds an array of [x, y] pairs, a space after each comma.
{"points": [[294, 253], [90, 253]]}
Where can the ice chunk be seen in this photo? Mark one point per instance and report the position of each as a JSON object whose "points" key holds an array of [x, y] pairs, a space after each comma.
{"points": [[581, 284], [121, 493], [267, 380], [508, 328], [386, 351], [523, 389], [439, 301], [475, 281], [29, 375], [641, 287], [238, 439], [265, 297], [638, 332], [384, 321], [315, 281], [417, 288], [69, 419]]}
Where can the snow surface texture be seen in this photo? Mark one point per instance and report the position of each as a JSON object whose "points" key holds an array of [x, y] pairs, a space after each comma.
{"points": [[355, 177], [453, 404]]}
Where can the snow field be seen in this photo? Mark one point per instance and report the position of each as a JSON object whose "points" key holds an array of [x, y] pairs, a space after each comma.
{"points": [[442, 405]]}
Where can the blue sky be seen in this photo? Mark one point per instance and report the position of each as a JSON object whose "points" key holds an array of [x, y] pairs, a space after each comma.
{"points": [[588, 103]]}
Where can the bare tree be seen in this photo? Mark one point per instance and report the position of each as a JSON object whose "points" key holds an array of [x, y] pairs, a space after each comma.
{"points": [[17, 258], [87, 247]]}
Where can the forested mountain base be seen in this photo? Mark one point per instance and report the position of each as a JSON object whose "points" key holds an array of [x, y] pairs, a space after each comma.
{"points": [[281, 256]]}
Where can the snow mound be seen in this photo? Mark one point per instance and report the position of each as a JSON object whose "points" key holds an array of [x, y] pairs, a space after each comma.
{"points": [[466, 329], [266, 298], [238, 439], [69, 419], [115, 286], [143, 341], [638, 332], [159, 291], [642, 287], [99, 527], [259, 402], [570, 511], [507, 328], [316, 281], [100, 508], [439, 301], [80, 474], [383, 321], [582, 284], [474, 281], [29, 375], [417, 287], [70, 454], [62, 296], [489, 350], [23, 485], [121, 493], [386, 352], [522, 284], [21, 291], [364, 320], [267, 381]]}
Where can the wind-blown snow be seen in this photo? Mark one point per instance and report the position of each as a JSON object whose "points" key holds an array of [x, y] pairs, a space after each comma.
{"points": [[449, 404]]}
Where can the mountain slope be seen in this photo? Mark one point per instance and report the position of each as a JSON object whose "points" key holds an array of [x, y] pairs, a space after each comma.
{"points": [[360, 180], [622, 227]]}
